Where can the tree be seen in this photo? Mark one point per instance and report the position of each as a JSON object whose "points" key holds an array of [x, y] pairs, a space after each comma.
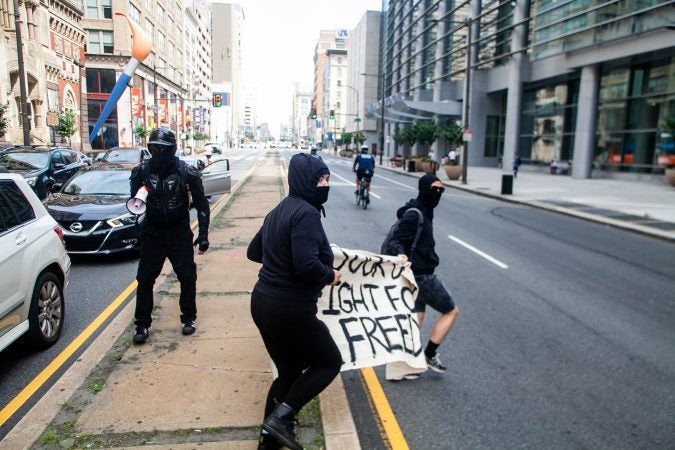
{"points": [[359, 138], [453, 133], [67, 125], [425, 132], [4, 123], [142, 132], [347, 137], [398, 139]]}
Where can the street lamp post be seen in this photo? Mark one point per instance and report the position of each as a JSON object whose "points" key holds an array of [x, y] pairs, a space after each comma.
{"points": [[381, 118], [22, 75], [467, 94]]}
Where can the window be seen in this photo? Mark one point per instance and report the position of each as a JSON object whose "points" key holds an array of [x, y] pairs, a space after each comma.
{"points": [[160, 41], [148, 6], [15, 209], [149, 28], [100, 42], [160, 15], [100, 80], [99, 9], [135, 13]]}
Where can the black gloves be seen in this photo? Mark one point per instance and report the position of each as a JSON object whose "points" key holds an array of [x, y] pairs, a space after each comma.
{"points": [[203, 242]]}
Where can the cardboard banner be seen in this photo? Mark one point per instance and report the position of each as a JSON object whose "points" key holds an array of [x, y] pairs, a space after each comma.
{"points": [[180, 117], [136, 102], [370, 313]]}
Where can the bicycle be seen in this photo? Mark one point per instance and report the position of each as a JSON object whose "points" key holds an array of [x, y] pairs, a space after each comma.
{"points": [[362, 194]]}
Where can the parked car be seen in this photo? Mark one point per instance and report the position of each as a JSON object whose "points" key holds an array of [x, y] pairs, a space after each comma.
{"points": [[91, 211], [125, 155], [216, 177], [34, 267], [44, 169]]}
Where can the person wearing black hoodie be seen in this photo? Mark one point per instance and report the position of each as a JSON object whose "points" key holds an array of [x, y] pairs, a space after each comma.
{"points": [[432, 292], [297, 262]]}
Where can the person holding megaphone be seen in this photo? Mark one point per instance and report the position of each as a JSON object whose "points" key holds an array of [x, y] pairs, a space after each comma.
{"points": [[160, 188]]}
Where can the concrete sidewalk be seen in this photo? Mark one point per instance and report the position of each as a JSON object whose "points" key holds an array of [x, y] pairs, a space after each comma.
{"points": [[205, 390], [646, 207]]}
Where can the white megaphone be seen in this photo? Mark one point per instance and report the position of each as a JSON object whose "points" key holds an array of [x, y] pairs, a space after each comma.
{"points": [[136, 204]]}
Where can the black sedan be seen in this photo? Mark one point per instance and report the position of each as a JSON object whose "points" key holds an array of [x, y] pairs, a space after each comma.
{"points": [[91, 210]]}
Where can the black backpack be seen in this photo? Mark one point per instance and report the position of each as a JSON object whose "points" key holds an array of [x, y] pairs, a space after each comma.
{"points": [[386, 245]]}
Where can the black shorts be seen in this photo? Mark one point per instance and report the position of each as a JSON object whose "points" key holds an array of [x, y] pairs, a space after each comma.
{"points": [[364, 173], [432, 292]]}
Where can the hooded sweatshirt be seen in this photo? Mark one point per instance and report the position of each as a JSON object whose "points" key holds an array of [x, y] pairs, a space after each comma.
{"points": [[297, 261], [425, 259]]}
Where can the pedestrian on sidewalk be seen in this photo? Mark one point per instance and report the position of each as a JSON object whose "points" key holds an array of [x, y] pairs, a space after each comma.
{"points": [[297, 262], [432, 292], [516, 164], [166, 230]]}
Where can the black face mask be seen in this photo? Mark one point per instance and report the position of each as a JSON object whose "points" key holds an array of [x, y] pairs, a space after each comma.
{"points": [[322, 194], [429, 198], [162, 161]]}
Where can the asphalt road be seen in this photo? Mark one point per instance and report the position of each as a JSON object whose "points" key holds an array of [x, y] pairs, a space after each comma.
{"points": [[568, 346], [95, 281]]}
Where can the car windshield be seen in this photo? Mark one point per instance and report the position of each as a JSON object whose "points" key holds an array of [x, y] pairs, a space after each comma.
{"points": [[123, 156], [99, 182], [24, 161]]}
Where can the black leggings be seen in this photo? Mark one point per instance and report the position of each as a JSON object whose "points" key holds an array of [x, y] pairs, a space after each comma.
{"points": [[300, 346]]}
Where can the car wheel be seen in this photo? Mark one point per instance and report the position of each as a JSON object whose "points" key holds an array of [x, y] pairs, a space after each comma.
{"points": [[47, 309]]}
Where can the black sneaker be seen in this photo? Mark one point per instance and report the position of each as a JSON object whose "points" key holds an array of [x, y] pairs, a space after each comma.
{"points": [[435, 364], [141, 335], [189, 328]]}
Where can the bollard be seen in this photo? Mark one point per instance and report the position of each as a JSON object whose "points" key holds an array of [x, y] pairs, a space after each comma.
{"points": [[411, 165], [507, 184]]}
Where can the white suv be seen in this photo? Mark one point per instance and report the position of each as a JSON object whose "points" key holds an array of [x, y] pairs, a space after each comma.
{"points": [[34, 267]]}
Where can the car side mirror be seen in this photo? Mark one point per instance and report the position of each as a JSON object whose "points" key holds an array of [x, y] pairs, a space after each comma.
{"points": [[56, 187]]}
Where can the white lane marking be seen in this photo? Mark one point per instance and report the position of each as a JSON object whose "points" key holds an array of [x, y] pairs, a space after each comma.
{"points": [[350, 183], [478, 252], [395, 182]]}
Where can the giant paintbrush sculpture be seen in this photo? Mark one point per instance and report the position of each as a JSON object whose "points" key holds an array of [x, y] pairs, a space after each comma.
{"points": [[140, 49]]}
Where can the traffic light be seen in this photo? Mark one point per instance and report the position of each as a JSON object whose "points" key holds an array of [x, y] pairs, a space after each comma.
{"points": [[331, 116], [217, 100], [313, 113]]}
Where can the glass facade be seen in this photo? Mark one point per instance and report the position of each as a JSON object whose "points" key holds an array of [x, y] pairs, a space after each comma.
{"points": [[99, 85], [564, 26], [549, 121], [633, 103]]}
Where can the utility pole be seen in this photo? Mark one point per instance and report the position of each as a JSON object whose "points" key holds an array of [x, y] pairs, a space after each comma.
{"points": [[467, 94], [156, 92], [382, 120], [22, 75]]}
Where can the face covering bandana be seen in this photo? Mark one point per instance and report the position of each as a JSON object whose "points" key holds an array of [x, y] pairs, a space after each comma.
{"points": [[322, 194], [430, 198]]}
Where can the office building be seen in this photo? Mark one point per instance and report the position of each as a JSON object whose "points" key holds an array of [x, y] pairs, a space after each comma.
{"points": [[590, 82]]}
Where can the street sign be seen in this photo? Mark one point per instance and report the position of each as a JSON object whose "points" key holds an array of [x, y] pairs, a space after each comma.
{"points": [[466, 137], [357, 119], [154, 106], [52, 119]]}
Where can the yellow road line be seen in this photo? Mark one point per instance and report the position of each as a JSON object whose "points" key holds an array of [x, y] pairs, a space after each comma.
{"points": [[26, 393], [387, 417], [23, 396]]}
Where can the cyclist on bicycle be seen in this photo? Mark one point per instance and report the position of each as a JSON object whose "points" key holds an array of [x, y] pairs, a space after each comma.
{"points": [[364, 165]]}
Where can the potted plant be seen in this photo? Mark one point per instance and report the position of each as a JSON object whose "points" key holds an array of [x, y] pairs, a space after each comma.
{"points": [[142, 132], [453, 135]]}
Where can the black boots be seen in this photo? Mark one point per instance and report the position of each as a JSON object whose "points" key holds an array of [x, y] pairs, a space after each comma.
{"points": [[280, 424], [268, 442]]}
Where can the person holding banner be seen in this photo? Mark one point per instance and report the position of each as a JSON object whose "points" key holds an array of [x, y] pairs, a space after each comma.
{"points": [[166, 231], [424, 261], [297, 262]]}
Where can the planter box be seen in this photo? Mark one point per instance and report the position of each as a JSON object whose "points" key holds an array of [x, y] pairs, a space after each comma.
{"points": [[453, 172], [670, 176], [426, 167]]}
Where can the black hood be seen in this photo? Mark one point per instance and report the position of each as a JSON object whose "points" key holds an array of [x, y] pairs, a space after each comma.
{"points": [[304, 172], [414, 203]]}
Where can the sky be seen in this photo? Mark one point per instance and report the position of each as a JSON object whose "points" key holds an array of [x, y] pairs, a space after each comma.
{"points": [[278, 40]]}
